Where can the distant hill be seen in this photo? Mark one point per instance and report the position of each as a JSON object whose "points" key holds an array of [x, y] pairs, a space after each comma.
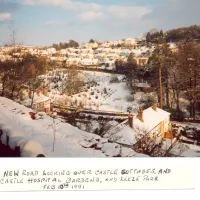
{"points": [[180, 34]]}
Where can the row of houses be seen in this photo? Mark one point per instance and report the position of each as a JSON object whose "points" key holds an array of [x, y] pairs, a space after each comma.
{"points": [[106, 56], [87, 55]]}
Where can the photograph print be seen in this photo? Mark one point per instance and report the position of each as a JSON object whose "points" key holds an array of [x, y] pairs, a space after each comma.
{"points": [[99, 78]]}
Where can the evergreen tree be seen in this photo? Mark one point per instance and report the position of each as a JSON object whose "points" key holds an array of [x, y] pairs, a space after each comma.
{"points": [[148, 37]]}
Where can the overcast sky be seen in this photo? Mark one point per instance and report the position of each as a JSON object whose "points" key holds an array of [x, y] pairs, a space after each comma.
{"points": [[43, 22]]}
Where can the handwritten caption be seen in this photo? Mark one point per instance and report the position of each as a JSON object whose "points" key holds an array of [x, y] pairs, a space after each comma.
{"points": [[89, 179]]}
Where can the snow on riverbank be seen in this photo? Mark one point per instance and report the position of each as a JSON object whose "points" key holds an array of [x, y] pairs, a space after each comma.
{"points": [[70, 141]]}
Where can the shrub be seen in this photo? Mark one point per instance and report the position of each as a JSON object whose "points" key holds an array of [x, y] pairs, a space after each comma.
{"points": [[105, 91], [130, 98], [114, 79], [100, 117], [89, 117], [92, 93], [96, 131]]}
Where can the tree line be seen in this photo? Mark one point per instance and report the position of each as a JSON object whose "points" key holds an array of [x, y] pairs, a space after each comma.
{"points": [[18, 72], [154, 36], [176, 74], [64, 45], [191, 33]]}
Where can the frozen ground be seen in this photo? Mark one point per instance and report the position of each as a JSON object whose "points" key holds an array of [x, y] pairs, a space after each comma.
{"points": [[99, 93], [181, 149], [70, 141]]}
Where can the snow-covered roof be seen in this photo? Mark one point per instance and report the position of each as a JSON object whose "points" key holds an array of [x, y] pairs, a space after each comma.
{"points": [[38, 98], [14, 138], [73, 59], [111, 54], [100, 54], [151, 119], [30, 148], [130, 136], [86, 60], [128, 39]]}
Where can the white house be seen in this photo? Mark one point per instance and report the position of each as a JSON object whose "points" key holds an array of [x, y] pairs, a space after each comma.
{"points": [[63, 52], [110, 64], [101, 57], [152, 123], [151, 120], [73, 61], [106, 50], [87, 56], [73, 55], [87, 51], [89, 61], [112, 56], [173, 46], [40, 101], [105, 45], [91, 45], [130, 42], [51, 50], [44, 52], [125, 52]]}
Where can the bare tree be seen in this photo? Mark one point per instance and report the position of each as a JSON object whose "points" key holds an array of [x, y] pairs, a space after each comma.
{"points": [[74, 83], [12, 69], [189, 56], [35, 67]]}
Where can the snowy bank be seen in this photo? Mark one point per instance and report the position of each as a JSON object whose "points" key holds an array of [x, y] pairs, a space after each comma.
{"points": [[35, 137]]}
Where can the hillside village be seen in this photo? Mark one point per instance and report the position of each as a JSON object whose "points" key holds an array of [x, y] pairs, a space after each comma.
{"points": [[86, 104], [90, 54]]}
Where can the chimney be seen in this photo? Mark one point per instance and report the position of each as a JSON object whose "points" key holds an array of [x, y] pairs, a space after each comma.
{"points": [[130, 120], [154, 107], [140, 114]]}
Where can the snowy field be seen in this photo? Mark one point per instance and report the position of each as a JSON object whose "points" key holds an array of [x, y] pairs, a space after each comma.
{"points": [[70, 141], [99, 93]]}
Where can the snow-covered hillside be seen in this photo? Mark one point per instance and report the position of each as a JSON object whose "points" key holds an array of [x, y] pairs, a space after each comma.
{"points": [[70, 141], [103, 91]]}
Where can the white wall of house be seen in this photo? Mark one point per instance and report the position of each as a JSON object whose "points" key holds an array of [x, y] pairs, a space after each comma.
{"points": [[73, 61]]}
